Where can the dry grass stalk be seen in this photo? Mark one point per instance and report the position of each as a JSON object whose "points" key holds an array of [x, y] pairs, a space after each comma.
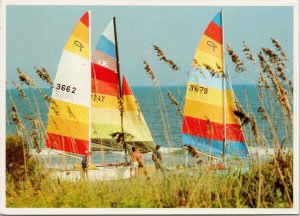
{"points": [[149, 70], [273, 57], [278, 63], [31, 84], [248, 52], [54, 107], [71, 114], [120, 105], [175, 103], [255, 131], [161, 56], [212, 71], [34, 133], [20, 90], [26, 79], [239, 65], [278, 147], [44, 75], [246, 119], [121, 137], [139, 110], [197, 67], [163, 109], [282, 96], [263, 83], [15, 117], [266, 117], [278, 47]]}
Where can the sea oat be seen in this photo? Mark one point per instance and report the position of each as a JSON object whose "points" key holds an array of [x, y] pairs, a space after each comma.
{"points": [[34, 134], [121, 137], [162, 57], [175, 103], [255, 131], [26, 79], [273, 57], [15, 117], [120, 105], [278, 47], [278, 63], [248, 52], [239, 65], [281, 93], [198, 67], [149, 70], [191, 150], [243, 117], [20, 90], [71, 114], [262, 82], [139, 111], [54, 107], [44, 75], [212, 71], [209, 127]]}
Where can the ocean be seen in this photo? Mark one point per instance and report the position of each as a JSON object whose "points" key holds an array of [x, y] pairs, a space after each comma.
{"points": [[151, 108]]}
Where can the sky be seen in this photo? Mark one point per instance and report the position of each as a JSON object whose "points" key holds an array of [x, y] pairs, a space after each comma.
{"points": [[36, 35]]}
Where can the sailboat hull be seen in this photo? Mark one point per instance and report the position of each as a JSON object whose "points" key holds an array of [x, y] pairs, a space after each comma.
{"points": [[99, 174], [111, 145]]}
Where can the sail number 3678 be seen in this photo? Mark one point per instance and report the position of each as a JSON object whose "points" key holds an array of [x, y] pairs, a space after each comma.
{"points": [[199, 89], [66, 88]]}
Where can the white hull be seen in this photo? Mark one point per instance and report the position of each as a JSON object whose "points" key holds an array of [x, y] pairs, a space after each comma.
{"points": [[100, 174]]}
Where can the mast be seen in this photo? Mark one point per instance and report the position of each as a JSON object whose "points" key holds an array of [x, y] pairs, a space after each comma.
{"points": [[120, 89], [224, 92], [118, 69], [90, 111]]}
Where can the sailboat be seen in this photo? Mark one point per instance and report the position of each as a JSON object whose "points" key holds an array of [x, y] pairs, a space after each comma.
{"points": [[88, 104], [68, 127], [209, 124], [114, 107]]}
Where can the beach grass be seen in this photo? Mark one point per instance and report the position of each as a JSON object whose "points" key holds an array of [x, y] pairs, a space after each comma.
{"points": [[267, 184], [262, 186]]}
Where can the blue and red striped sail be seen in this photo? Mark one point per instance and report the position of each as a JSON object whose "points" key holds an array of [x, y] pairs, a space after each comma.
{"points": [[106, 114], [204, 113], [106, 101]]}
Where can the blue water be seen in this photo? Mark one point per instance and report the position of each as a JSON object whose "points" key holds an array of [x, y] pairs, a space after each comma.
{"points": [[151, 107]]}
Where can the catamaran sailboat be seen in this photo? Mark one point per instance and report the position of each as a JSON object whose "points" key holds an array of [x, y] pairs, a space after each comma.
{"points": [[209, 124], [88, 104]]}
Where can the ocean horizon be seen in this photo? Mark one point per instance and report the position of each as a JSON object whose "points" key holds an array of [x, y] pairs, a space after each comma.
{"points": [[150, 104]]}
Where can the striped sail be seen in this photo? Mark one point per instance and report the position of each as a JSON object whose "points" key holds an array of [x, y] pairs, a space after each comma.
{"points": [[68, 119], [106, 115], [133, 120], [203, 117]]}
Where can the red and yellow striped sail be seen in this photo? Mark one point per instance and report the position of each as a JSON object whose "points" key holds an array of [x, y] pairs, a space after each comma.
{"points": [[133, 120], [106, 115], [203, 117], [68, 119]]}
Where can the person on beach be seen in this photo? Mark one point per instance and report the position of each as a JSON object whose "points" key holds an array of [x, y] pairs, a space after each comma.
{"points": [[157, 158], [85, 165], [136, 161]]}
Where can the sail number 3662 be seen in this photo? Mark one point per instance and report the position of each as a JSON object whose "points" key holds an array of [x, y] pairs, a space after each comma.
{"points": [[66, 88], [199, 89]]}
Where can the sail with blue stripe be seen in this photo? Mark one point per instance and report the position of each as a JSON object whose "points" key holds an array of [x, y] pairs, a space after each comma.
{"points": [[209, 124]]}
